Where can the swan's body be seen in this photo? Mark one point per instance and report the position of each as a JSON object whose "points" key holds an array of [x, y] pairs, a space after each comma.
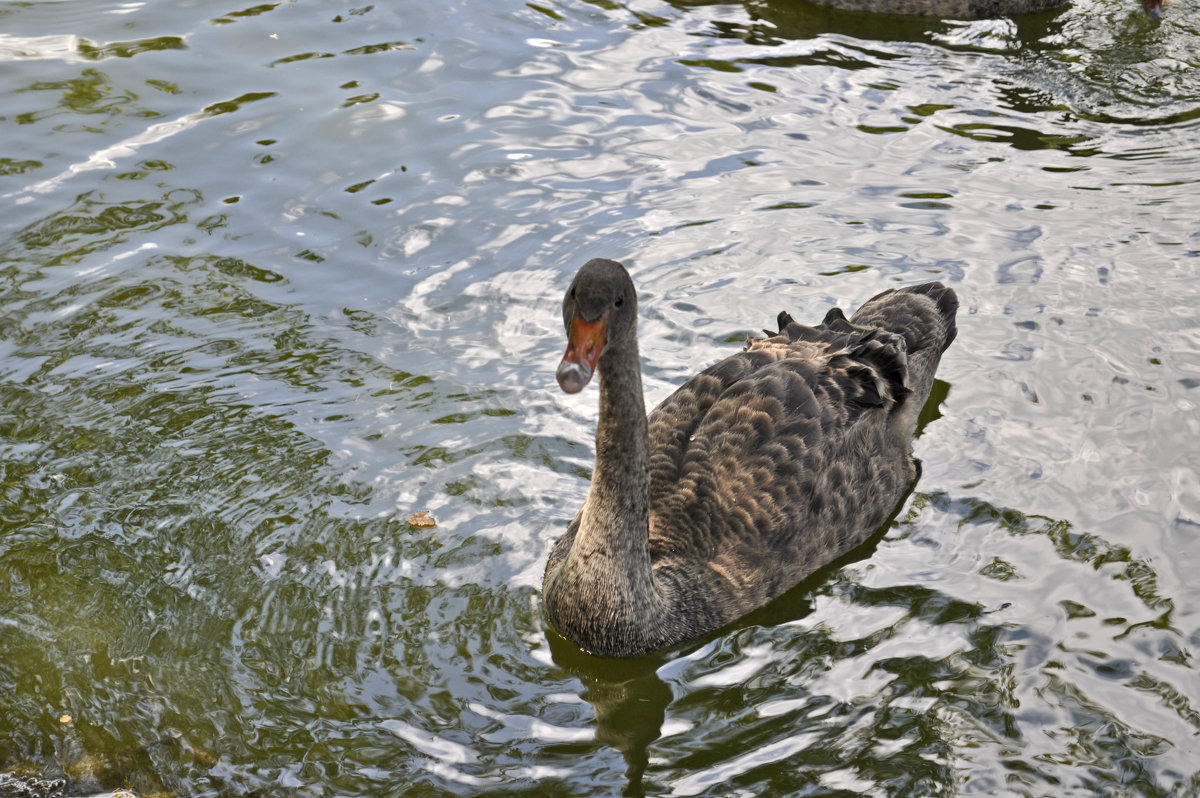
{"points": [[953, 9], [963, 9], [753, 474]]}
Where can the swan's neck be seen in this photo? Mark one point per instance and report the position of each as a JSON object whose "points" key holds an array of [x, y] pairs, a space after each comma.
{"points": [[607, 599], [617, 511]]}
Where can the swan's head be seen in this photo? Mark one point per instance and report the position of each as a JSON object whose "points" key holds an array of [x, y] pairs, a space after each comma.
{"points": [[600, 307]]}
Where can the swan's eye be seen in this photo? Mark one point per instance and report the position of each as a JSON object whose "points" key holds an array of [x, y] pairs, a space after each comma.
{"points": [[620, 301]]}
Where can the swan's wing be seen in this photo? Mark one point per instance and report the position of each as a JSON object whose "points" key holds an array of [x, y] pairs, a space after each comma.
{"points": [[802, 382], [884, 357], [776, 460]]}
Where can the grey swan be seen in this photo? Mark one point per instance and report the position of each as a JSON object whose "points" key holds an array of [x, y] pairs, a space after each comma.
{"points": [[753, 474], [962, 9], [953, 9]]}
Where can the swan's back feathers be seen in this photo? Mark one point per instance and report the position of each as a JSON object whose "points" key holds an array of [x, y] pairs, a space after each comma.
{"points": [[875, 360], [778, 459]]}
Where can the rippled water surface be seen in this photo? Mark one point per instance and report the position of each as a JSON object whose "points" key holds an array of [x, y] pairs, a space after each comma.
{"points": [[274, 277]]}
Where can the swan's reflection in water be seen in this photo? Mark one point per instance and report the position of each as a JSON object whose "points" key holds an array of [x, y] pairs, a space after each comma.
{"points": [[629, 698]]}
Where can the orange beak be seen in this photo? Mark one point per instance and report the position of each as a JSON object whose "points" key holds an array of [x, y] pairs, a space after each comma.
{"points": [[585, 342]]}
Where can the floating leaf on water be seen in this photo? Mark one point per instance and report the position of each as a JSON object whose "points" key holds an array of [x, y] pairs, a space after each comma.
{"points": [[421, 518]]}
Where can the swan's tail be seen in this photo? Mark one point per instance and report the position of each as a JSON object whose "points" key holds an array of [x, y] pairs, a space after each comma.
{"points": [[923, 315], [899, 335]]}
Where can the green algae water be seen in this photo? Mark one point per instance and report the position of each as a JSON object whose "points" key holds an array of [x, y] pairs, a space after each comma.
{"points": [[280, 286]]}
